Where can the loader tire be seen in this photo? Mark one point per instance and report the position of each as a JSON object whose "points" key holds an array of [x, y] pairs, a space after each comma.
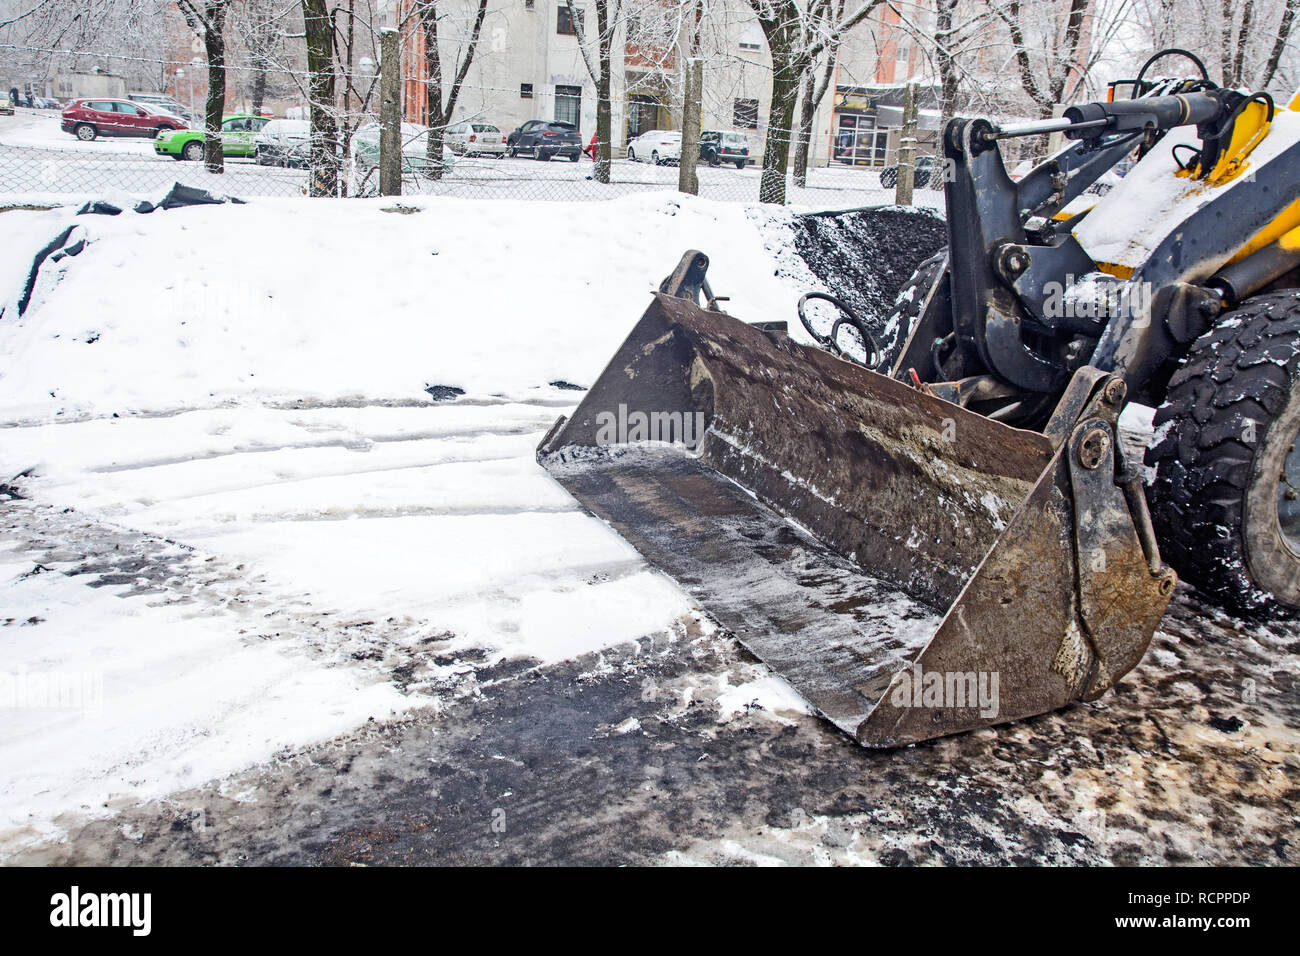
{"points": [[1225, 498], [907, 309]]}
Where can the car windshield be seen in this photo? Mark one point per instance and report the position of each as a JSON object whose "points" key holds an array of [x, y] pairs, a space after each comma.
{"points": [[735, 139], [562, 127], [484, 128], [411, 132], [414, 135]]}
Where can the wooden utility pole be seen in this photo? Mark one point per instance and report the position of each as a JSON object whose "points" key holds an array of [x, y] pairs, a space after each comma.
{"points": [[907, 148], [390, 114], [688, 180]]}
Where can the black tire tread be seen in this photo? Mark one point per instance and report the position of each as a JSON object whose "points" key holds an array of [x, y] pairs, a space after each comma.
{"points": [[1243, 369]]}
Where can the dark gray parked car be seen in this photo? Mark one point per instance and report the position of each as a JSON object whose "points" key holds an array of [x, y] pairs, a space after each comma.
{"points": [[543, 139], [926, 167]]}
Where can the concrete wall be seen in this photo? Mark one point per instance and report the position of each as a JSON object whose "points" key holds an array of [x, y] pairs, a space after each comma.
{"points": [[71, 86]]}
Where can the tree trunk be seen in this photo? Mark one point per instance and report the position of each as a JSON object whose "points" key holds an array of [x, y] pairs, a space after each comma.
{"points": [[324, 178], [214, 42], [604, 122], [1243, 39], [1280, 44], [780, 122], [440, 112], [949, 78], [604, 155], [688, 180], [434, 155], [259, 88], [434, 118], [807, 110]]}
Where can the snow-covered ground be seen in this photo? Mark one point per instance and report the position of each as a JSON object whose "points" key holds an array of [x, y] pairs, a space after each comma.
{"points": [[247, 386], [258, 572]]}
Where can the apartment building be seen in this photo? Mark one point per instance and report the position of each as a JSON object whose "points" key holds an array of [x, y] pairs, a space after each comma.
{"points": [[529, 66]]}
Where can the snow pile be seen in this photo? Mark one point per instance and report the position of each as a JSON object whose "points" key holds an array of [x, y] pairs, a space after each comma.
{"points": [[767, 693], [323, 300]]}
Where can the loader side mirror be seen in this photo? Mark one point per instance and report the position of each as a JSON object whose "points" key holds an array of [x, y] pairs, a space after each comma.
{"points": [[1120, 90]]}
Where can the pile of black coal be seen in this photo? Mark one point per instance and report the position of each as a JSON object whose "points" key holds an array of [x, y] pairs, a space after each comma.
{"points": [[865, 256]]}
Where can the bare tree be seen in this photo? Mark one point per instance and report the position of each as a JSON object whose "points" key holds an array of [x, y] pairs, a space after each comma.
{"points": [[207, 18], [688, 180], [1253, 39], [259, 35], [1047, 55], [600, 65], [440, 104], [812, 90], [127, 36], [798, 33], [1274, 60], [321, 79]]}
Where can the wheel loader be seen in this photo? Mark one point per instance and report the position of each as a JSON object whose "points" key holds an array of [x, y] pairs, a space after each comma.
{"points": [[946, 533]]}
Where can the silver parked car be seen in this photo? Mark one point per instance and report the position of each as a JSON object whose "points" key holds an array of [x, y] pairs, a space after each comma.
{"points": [[283, 142], [475, 138]]}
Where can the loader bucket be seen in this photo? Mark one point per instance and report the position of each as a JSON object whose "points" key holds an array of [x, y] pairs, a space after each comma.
{"points": [[913, 569]]}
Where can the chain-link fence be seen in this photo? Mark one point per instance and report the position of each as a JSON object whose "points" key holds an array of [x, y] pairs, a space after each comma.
{"points": [[39, 161]]}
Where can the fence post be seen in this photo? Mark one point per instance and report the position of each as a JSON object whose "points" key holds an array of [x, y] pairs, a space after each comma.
{"points": [[390, 114], [907, 148]]}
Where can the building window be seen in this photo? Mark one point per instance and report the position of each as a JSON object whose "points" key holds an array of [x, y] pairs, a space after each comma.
{"points": [[526, 90], [568, 105], [746, 114], [750, 46], [528, 4], [565, 22], [642, 114]]}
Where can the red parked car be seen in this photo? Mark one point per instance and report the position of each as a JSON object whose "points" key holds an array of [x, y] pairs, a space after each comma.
{"points": [[87, 119]]}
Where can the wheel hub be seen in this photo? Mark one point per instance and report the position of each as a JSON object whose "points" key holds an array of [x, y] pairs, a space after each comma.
{"points": [[1288, 497]]}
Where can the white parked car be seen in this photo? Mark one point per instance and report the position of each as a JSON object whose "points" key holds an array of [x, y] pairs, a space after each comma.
{"points": [[415, 149], [283, 142], [657, 146], [167, 105], [476, 139]]}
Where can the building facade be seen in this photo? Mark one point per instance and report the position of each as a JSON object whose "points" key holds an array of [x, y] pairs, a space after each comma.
{"points": [[528, 65]]}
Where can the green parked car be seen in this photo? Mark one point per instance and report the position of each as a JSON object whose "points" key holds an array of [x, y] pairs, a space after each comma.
{"points": [[237, 134]]}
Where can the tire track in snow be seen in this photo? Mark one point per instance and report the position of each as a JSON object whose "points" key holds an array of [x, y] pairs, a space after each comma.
{"points": [[412, 654]]}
